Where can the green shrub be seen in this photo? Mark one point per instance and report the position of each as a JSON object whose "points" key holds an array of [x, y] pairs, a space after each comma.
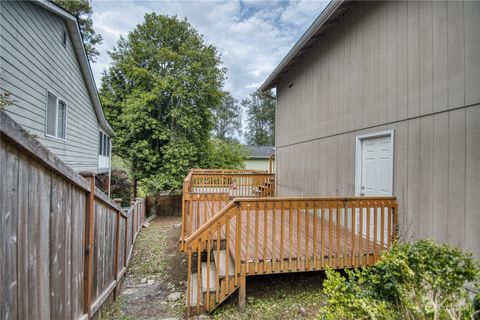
{"points": [[412, 281]]}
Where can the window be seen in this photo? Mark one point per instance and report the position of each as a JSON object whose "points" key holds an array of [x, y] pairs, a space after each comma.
{"points": [[64, 38], [103, 144], [56, 117]]}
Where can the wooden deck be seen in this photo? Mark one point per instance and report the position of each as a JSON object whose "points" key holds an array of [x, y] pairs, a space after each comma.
{"points": [[250, 233]]}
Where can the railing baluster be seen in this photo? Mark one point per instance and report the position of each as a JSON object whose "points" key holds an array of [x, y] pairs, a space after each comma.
{"points": [[353, 231], [227, 250], [265, 234], [274, 242], [247, 239], [345, 234], [282, 228], [367, 238], [189, 278], [388, 230], [307, 227], [315, 208], [208, 271], [375, 231], [382, 229], [330, 242], [217, 260], [199, 268], [256, 236], [299, 221], [238, 243], [322, 234], [337, 222], [290, 235], [360, 232]]}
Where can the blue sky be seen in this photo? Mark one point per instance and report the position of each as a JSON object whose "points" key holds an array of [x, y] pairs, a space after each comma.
{"points": [[251, 36]]}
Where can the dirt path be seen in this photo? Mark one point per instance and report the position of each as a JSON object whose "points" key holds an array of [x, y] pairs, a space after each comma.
{"points": [[158, 270]]}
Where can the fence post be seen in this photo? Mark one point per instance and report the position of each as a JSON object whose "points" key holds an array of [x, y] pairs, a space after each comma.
{"points": [[117, 247], [141, 210], [126, 249], [89, 238], [132, 205]]}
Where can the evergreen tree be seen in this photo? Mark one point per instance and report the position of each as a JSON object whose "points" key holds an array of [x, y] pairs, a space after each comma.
{"points": [[227, 118], [158, 94], [260, 108], [83, 11]]}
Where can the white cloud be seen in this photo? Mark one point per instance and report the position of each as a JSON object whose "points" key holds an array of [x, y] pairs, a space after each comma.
{"points": [[251, 36]]}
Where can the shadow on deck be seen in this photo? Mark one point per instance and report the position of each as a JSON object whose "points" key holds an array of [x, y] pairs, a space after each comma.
{"points": [[228, 237]]}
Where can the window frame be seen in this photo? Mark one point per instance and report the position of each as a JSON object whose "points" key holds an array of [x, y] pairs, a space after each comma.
{"points": [[58, 98], [103, 144]]}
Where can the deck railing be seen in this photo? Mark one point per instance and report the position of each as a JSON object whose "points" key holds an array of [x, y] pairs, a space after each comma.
{"points": [[206, 192], [270, 235]]}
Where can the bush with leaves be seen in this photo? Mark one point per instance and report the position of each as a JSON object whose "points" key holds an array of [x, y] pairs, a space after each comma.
{"points": [[412, 281], [120, 186]]}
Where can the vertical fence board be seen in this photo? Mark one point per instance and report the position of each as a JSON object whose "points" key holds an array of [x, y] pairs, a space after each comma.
{"points": [[44, 230], [33, 237], [9, 209], [43, 210], [22, 237]]}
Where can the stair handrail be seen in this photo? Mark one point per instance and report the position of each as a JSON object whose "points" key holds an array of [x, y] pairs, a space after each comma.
{"points": [[214, 219]]}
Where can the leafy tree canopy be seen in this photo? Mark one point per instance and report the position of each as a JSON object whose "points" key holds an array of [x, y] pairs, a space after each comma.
{"points": [[227, 118], [158, 95], [83, 11], [260, 109]]}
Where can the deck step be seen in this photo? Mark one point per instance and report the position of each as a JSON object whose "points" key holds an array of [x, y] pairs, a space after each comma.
{"points": [[193, 291], [220, 264], [213, 277]]}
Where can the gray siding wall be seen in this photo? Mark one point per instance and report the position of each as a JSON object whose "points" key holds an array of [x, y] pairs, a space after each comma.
{"points": [[34, 60], [412, 67]]}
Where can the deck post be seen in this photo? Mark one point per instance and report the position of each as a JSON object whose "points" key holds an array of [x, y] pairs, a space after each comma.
{"points": [[242, 290]]}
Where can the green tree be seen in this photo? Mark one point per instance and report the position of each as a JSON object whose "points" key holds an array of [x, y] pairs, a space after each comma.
{"points": [[224, 155], [158, 94], [83, 11], [227, 118], [260, 109]]}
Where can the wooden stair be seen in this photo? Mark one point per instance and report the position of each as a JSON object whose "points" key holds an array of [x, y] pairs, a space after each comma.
{"points": [[265, 189], [202, 296]]}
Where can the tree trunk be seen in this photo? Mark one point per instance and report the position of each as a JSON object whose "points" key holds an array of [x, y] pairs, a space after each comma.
{"points": [[133, 192]]}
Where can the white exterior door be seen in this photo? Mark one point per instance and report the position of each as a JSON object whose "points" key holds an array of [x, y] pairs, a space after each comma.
{"points": [[376, 166], [374, 177]]}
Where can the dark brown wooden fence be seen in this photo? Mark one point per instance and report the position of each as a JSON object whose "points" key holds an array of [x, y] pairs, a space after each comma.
{"points": [[64, 245], [164, 205]]}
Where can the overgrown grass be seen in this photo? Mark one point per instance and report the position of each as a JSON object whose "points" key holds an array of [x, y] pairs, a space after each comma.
{"points": [[150, 251], [291, 296], [114, 311]]}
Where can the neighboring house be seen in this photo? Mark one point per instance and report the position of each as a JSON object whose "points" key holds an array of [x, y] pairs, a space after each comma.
{"points": [[260, 158], [383, 98], [45, 68]]}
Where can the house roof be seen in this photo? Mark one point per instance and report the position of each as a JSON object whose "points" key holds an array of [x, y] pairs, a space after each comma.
{"points": [[76, 36], [259, 152], [330, 16]]}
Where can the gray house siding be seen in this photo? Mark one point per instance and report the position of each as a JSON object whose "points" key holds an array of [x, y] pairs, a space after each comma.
{"points": [[412, 67], [34, 60]]}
